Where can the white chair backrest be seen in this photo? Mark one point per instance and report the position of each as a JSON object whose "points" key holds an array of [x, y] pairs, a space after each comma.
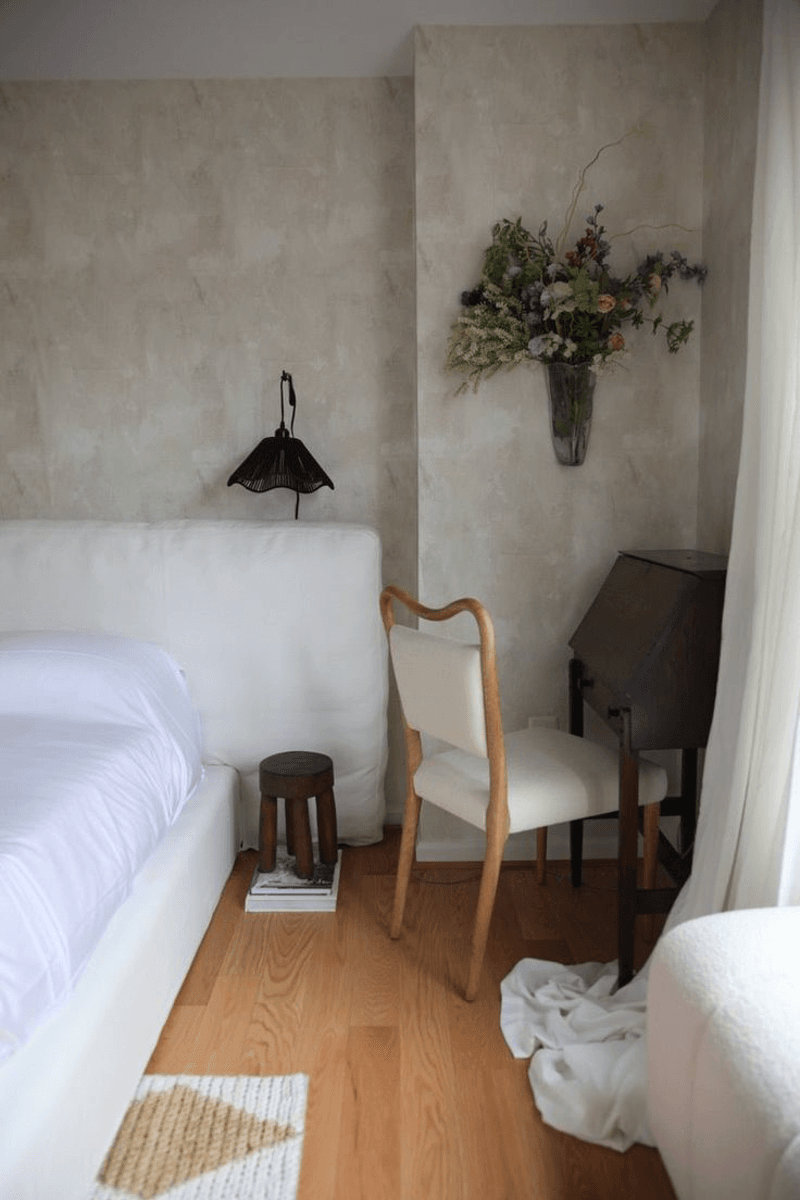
{"points": [[441, 687]]}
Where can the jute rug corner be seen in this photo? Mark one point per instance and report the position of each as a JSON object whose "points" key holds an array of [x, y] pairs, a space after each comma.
{"points": [[208, 1137]]}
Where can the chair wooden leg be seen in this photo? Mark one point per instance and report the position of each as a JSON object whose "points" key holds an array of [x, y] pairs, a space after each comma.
{"points": [[405, 861], [541, 854], [489, 877]]}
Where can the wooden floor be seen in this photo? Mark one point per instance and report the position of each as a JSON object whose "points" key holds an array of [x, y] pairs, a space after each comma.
{"points": [[413, 1092]]}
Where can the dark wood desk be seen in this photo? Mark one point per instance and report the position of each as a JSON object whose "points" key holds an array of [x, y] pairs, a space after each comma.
{"points": [[646, 656]]}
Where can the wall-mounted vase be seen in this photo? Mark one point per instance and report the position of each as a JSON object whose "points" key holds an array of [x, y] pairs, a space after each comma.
{"points": [[571, 391]]}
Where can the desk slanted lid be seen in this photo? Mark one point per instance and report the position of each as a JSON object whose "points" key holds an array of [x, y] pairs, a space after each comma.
{"points": [[650, 641], [695, 562]]}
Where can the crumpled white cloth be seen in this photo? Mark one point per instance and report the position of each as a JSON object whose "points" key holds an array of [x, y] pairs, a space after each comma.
{"points": [[586, 1039]]}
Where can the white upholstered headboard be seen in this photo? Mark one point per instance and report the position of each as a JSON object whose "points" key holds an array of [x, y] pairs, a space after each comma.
{"points": [[277, 627]]}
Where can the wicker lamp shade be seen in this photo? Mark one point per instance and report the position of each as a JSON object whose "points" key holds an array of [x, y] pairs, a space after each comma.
{"points": [[282, 461]]}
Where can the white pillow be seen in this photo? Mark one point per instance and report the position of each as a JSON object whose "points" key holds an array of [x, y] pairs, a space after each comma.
{"points": [[101, 678]]}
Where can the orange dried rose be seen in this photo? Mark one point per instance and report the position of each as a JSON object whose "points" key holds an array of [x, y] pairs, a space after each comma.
{"points": [[605, 303], [616, 341]]}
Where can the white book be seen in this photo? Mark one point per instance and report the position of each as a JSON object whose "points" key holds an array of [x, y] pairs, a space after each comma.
{"points": [[282, 891]]}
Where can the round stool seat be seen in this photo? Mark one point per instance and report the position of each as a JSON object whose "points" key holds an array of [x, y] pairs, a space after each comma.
{"points": [[296, 776], [292, 768]]}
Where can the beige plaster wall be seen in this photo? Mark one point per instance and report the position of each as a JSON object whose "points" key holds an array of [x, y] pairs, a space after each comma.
{"points": [[166, 249], [505, 121], [733, 57]]}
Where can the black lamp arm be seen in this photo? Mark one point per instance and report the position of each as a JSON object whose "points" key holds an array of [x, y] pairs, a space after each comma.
{"points": [[286, 378]]}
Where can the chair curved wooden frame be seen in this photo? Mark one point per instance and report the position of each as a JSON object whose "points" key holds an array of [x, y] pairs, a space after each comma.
{"points": [[536, 777], [497, 819]]}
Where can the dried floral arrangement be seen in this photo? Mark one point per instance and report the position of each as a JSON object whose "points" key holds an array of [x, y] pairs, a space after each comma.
{"points": [[535, 303]]}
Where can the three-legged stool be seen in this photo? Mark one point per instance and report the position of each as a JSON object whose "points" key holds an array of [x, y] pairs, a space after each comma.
{"points": [[296, 776]]}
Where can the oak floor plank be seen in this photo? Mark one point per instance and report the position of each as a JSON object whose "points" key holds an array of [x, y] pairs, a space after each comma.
{"points": [[369, 1141], [532, 904], [221, 1039], [431, 1162], [373, 959], [327, 1069], [413, 1093], [525, 1143]]}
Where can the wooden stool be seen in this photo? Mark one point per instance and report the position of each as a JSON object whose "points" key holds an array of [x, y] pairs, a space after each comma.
{"points": [[296, 776]]}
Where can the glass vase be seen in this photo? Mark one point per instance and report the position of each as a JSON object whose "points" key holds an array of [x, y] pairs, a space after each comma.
{"points": [[570, 387]]}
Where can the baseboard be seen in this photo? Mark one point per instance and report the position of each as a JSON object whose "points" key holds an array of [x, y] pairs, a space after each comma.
{"points": [[599, 841]]}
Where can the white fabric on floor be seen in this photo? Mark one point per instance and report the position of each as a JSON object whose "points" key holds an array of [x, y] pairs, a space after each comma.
{"points": [[747, 852], [588, 1067]]}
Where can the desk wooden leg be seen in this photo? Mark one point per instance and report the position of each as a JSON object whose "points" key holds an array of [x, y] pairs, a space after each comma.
{"points": [[689, 784], [652, 818], [541, 854], [267, 833], [576, 852], [628, 849]]}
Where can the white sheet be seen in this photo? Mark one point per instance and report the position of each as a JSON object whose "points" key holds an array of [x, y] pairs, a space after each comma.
{"points": [[84, 800], [587, 1072], [102, 678]]}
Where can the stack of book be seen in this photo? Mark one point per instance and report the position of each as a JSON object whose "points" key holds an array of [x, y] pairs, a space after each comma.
{"points": [[282, 891]]}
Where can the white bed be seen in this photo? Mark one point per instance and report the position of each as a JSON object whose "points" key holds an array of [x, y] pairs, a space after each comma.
{"points": [[278, 630]]}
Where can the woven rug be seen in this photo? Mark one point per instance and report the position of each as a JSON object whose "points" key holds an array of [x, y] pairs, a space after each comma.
{"points": [[208, 1137]]}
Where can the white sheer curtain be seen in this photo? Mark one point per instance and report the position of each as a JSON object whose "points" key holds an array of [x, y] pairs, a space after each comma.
{"points": [[744, 857], [588, 1070]]}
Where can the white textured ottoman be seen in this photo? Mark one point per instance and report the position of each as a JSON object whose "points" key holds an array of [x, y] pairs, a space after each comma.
{"points": [[723, 1055]]}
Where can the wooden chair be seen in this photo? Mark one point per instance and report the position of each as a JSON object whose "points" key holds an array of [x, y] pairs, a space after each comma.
{"points": [[500, 783]]}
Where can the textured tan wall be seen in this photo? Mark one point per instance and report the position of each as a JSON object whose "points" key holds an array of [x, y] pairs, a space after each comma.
{"points": [[166, 249], [505, 121], [733, 57]]}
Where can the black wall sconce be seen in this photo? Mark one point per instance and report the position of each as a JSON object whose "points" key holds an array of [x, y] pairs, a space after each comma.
{"points": [[282, 461]]}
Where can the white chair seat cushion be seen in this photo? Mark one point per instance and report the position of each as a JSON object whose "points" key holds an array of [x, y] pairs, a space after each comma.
{"points": [[552, 777], [723, 1055]]}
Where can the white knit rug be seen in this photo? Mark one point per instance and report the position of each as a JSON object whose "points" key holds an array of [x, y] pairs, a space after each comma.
{"points": [[208, 1137]]}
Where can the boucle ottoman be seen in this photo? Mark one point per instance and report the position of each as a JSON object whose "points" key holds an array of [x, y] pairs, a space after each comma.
{"points": [[723, 1055]]}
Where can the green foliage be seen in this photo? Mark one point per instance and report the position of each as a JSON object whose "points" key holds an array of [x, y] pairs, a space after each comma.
{"points": [[532, 304]]}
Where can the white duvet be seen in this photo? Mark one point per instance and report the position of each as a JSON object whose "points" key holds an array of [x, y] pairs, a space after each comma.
{"points": [[100, 748]]}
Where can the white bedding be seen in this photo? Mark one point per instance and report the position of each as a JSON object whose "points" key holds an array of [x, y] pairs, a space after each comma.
{"points": [[63, 1094], [100, 748]]}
